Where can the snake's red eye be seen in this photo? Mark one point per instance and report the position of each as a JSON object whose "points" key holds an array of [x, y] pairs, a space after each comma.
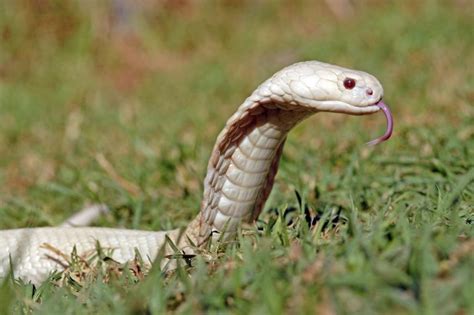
{"points": [[349, 83]]}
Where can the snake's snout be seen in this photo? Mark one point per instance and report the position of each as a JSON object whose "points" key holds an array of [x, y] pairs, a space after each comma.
{"points": [[389, 118]]}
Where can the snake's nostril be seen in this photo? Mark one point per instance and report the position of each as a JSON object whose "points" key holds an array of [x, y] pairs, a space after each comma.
{"points": [[369, 91]]}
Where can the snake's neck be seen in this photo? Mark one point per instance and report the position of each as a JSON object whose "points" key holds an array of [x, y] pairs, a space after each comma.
{"points": [[244, 163]]}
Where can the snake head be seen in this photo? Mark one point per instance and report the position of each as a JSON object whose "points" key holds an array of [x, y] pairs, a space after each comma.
{"points": [[324, 87]]}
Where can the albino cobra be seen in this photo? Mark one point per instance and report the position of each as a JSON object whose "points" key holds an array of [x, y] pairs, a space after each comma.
{"points": [[240, 172]]}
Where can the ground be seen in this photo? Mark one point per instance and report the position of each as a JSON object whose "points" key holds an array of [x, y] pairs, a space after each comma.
{"points": [[120, 104]]}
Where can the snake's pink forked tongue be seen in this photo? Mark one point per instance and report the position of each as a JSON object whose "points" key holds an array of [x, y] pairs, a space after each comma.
{"points": [[389, 117]]}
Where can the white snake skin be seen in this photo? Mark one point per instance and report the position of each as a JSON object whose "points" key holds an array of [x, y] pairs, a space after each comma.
{"points": [[239, 177]]}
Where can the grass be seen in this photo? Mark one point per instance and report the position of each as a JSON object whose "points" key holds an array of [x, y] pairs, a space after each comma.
{"points": [[148, 92]]}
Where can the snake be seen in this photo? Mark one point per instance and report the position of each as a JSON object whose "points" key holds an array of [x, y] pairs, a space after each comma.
{"points": [[240, 172]]}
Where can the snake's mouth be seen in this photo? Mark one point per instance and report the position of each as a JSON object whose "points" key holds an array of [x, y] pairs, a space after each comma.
{"points": [[388, 116]]}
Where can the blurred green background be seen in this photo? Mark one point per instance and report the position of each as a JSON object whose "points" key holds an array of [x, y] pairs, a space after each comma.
{"points": [[119, 102]]}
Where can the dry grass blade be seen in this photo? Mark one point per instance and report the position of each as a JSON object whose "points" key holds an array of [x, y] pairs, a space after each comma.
{"points": [[122, 182]]}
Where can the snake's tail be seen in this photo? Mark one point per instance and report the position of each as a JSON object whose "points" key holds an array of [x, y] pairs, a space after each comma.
{"points": [[86, 216]]}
